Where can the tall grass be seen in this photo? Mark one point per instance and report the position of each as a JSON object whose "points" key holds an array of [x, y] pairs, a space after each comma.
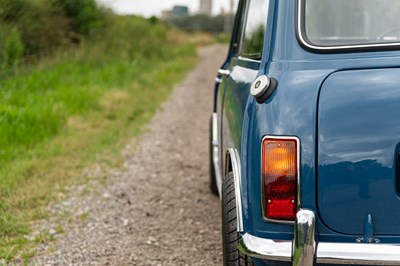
{"points": [[62, 114], [35, 104]]}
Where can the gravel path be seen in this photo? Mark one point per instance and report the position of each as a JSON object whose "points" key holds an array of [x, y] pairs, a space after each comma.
{"points": [[157, 210]]}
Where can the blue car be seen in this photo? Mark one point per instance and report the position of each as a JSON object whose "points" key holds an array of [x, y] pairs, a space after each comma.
{"points": [[305, 134]]}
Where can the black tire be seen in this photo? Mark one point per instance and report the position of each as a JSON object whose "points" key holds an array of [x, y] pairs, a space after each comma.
{"points": [[213, 181], [231, 254]]}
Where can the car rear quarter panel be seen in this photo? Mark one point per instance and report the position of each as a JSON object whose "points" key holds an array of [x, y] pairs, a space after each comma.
{"points": [[292, 111]]}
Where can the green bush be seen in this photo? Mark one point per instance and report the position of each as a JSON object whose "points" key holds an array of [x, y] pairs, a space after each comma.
{"points": [[86, 15], [47, 25], [44, 28], [13, 49], [12, 10], [42, 25]]}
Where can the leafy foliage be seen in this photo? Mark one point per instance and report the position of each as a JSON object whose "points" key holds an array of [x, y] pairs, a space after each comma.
{"points": [[86, 15], [12, 10], [43, 26], [12, 49]]}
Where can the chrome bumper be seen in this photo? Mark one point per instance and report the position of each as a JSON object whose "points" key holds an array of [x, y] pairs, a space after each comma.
{"points": [[305, 251]]}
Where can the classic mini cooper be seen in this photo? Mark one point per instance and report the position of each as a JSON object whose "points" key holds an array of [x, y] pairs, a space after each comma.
{"points": [[305, 134]]}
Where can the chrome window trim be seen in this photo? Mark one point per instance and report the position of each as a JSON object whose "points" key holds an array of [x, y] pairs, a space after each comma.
{"points": [[242, 33], [241, 58], [304, 41], [243, 26], [262, 179]]}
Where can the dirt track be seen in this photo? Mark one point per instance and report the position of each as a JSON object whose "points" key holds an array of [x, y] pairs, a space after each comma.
{"points": [[158, 209]]}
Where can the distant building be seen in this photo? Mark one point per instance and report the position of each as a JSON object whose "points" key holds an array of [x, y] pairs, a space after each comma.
{"points": [[232, 7], [176, 11], [205, 7], [179, 11], [165, 14]]}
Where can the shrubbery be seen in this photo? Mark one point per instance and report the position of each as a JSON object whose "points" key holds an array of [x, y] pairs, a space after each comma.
{"points": [[38, 27], [12, 49], [85, 15]]}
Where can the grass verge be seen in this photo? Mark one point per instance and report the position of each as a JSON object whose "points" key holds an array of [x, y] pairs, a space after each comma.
{"points": [[67, 113]]}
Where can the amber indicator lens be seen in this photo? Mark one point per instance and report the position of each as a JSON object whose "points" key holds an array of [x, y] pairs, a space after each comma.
{"points": [[280, 173]]}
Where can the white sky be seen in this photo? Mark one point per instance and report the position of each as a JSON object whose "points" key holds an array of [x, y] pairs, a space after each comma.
{"points": [[148, 8]]}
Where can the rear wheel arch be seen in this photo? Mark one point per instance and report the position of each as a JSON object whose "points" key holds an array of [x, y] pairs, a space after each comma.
{"points": [[228, 163], [232, 167]]}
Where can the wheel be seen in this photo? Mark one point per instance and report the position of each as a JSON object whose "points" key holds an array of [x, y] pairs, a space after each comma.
{"points": [[230, 237], [213, 181]]}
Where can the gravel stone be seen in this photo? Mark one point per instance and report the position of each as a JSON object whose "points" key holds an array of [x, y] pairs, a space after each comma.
{"points": [[156, 209]]}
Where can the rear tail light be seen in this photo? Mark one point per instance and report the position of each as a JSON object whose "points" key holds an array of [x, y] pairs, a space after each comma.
{"points": [[280, 177]]}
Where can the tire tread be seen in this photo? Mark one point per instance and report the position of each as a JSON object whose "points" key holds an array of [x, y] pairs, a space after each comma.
{"points": [[231, 253]]}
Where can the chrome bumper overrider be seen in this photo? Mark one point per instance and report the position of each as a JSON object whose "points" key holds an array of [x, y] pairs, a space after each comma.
{"points": [[305, 251]]}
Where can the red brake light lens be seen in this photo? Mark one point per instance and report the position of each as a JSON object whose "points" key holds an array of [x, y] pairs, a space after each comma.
{"points": [[280, 175]]}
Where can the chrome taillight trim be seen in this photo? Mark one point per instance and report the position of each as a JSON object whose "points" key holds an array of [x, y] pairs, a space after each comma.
{"points": [[262, 178]]}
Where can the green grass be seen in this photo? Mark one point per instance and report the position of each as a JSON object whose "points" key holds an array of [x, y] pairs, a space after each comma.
{"points": [[75, 109]]}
